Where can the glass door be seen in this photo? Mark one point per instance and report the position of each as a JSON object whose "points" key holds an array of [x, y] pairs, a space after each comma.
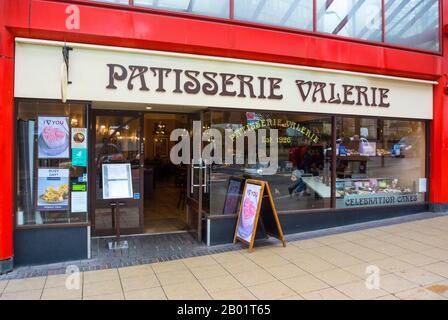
{"points": [[117, 138]]}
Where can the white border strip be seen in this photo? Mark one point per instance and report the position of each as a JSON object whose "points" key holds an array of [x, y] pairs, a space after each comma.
{"points": [[208, 232], [213, 58], [89, 246]]}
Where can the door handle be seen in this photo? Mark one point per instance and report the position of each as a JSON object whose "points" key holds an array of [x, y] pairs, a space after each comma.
{"points": [[205, 178]]}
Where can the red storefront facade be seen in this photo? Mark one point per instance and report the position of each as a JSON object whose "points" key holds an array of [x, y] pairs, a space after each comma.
{"points": [[142, 28]]}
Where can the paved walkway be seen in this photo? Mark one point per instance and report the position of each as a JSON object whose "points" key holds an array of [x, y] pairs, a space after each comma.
{"points": [[412, 259]]}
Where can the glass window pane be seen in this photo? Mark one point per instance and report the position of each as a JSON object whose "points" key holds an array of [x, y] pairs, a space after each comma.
{"points": [[296, 14], [359, 19], [50, 174], [215, 8], [413, 23], [380, 162], [302, 180], [114, 1]]}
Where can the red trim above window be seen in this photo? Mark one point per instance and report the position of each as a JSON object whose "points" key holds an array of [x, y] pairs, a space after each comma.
{"points": [[111, 25]]}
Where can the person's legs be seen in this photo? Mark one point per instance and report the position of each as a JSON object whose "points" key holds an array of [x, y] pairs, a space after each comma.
{"points": [[304, 189], [300, 186], [293, 186]]}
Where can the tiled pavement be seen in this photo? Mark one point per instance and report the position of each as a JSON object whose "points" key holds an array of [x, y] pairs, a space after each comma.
{"points": [[412, 258]]}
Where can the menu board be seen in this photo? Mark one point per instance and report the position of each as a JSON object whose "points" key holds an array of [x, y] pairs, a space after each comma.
{"points": [[52, 189], [233, 195], [53, 138], [117, 181]]}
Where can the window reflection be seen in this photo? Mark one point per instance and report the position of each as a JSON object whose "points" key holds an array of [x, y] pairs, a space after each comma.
{"points": [[350, 18], [216, 8], [413, 23], [296, 14], [114, 1]]}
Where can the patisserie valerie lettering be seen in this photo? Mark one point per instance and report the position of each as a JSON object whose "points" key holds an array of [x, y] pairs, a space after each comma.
{"points": [[193, 82], [144, 78], [345, 94]]}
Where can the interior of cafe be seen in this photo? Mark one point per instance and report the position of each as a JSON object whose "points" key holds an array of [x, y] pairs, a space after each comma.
{"points": [[164, 183]]}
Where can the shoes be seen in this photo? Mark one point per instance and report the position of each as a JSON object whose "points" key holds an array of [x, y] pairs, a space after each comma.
{"points": [[299, 194]]}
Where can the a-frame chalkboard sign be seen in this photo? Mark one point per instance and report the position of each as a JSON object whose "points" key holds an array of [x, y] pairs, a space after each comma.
{"points": [[257, 203]]}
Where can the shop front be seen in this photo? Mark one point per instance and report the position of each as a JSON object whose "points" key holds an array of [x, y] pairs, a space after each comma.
{"points": [[342, 147]]}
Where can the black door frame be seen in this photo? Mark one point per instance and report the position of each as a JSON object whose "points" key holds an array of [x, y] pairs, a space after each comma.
{"points": [[93, 170], [194, 207]]}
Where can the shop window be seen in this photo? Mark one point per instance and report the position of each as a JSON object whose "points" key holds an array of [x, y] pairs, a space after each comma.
{"points": [[413, 23], [114, 1], [297, 14], [410, 23], [51, 163], [380, 162], [215, 8], [359, 19], [302, 179]]}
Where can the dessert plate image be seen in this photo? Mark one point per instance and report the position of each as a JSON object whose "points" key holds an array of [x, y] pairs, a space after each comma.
{"points": [[52, 151], [53, 137]]}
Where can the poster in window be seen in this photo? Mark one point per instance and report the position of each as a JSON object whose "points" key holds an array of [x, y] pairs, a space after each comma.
{"points": [[53, 138], [79, 197], [79, 138], [79, 147], [249, 208], [53, 189], [233, 195]]}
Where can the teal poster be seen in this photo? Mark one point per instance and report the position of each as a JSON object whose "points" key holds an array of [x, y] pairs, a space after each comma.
{"points": [[79, 147], [79, 157]]}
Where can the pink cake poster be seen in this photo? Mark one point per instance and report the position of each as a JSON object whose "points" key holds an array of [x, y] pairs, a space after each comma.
{"points": [[53, 138], [249, 212]]}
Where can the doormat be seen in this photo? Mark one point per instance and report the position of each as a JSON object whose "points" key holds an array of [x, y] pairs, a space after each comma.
{"points": [[120, 245]]}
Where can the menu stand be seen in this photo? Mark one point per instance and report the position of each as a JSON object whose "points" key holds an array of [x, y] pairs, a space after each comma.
{"points": [[117, 244]]}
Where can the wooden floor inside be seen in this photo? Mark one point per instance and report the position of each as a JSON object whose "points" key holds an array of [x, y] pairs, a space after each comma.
{"points": [[161, 212]]}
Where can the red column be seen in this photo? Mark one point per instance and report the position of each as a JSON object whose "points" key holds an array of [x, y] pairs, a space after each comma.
{"points": [[6, 142], [439, 149], [439, 132]]}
